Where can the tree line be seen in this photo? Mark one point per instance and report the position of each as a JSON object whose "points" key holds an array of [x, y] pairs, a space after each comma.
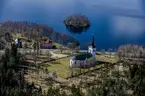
{"points": [[31, 30], [131, 51]]}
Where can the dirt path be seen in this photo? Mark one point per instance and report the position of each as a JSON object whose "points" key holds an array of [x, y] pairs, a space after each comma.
{"points": [[57, 55]]}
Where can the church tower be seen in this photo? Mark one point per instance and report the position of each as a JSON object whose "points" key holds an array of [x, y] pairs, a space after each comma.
{"points": [[92, 47]]}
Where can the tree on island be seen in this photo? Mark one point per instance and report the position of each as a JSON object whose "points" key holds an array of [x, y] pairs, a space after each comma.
{"points": [[77, 23]]}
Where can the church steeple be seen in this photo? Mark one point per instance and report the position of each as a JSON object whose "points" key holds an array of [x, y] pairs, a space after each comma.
{"points": [[92, 47], [93, 41]]}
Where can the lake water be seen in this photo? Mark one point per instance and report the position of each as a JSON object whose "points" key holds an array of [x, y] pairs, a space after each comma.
{"points": [[114, 22]]}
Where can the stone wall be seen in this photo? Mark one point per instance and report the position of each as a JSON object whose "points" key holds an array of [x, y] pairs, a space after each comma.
{"points": [[90, 62]]}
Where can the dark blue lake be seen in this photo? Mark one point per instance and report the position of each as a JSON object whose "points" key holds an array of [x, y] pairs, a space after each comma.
{"points": [[114, 22]]}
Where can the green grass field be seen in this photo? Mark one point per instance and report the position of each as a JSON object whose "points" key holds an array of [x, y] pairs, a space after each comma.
{"points": [[61, 66], [103, 58]]}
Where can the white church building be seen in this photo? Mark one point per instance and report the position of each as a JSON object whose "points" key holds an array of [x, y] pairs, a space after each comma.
{"points": [[89, 60], [92, 48]]}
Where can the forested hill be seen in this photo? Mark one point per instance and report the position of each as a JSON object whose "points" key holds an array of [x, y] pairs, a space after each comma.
{"points": [[30, 30]]}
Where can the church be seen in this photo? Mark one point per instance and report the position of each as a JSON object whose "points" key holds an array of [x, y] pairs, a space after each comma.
{"points": [[85, 60]]}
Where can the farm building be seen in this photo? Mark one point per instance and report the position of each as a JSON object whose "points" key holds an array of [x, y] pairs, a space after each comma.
{"points": [[46, 45]]}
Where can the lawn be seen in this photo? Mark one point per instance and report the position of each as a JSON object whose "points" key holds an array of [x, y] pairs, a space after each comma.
{"points": [[61, 66], [107, 59]]}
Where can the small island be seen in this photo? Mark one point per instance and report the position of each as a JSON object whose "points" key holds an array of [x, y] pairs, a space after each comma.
{"points": [[77, 23]]}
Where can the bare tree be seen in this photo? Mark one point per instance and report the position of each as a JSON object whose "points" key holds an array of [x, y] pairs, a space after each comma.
{"points": [[131, 51], [61, 48]]}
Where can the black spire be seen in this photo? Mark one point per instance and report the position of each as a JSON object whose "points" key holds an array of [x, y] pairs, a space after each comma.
{"points": [[93, 41]]}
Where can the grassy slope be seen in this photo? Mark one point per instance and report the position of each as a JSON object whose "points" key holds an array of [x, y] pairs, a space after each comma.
{"points": [[61, 66], [18, 35], [103, 58]]}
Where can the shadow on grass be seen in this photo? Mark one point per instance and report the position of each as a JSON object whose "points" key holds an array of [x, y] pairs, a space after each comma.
{"points": [[46, 61], [50, 63], [25, 64], [46, 65], [52, 60]]}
